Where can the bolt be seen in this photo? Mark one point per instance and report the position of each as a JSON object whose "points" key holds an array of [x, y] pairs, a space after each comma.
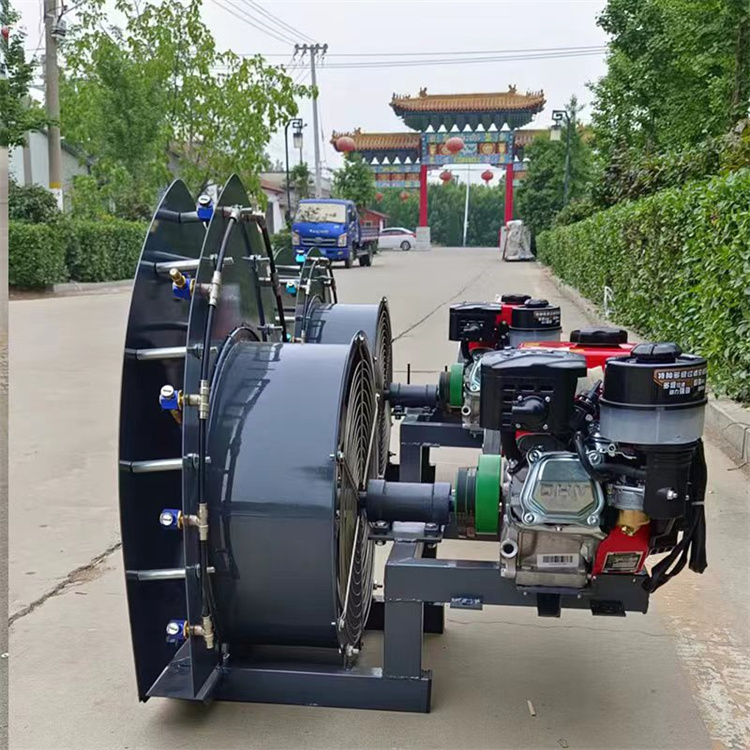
{"points": [[529, 518], [173, 628], [544, 426], [381, 525], [430, 527], [672, 494], [592, 520], [547, 399]]}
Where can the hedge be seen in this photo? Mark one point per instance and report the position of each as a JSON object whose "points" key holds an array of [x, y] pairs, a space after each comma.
{"points": [[36, 254], [45, 254], [106, 250], [678, 262]]}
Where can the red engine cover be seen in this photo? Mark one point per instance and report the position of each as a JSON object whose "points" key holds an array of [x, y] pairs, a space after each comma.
{"points": [[620, 553], [595, 356]]}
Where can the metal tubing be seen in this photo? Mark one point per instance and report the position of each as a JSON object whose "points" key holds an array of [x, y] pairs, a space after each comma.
{"points": [[152, 466], [167, 352], [413, 396], [180, 217], [158, 574], [189, 264], [408, 501]]}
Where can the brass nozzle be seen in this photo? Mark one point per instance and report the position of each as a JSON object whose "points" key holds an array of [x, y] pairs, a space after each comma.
{"points": [[178, 279]]}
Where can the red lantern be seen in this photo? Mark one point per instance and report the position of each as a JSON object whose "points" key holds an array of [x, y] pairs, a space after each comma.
{"points": [[404, 196], [454, 144], [345, 143], [487, 176], [378, 197], [5, 31], [446, 176]]}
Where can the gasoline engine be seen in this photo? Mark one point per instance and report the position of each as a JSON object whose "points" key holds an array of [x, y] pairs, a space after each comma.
{"points": [[256, 478], [595, 482]]}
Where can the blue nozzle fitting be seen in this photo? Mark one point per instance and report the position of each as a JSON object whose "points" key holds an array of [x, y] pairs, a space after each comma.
{"points": [[171, 518], [205, 208], [176, 631], [182, 284], [300, 257], [291, 288], [169, 399]]}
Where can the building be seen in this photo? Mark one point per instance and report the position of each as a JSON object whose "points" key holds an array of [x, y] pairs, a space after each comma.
{"points": [[274, 210], [29, 164], [277, 181], [371, 218]]}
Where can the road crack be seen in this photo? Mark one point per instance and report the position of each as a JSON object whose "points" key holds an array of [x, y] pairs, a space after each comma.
{"points": [[442, 304], [74, 577]]}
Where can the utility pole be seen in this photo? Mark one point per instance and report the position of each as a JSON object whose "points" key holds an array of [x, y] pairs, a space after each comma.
{"points": [[466, 205], [314, 49], [52, 96]]}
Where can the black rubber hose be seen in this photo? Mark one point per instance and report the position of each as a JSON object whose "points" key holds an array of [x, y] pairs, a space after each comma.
{"points": [[511, 450], [583, 457], [209, 604]]}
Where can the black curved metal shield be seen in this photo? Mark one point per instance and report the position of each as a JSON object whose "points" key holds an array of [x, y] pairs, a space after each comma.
{"points": [[247, 300], [154, 355]]}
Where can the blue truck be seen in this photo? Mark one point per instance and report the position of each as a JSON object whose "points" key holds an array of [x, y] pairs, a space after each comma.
{"points": [[332, 226]]}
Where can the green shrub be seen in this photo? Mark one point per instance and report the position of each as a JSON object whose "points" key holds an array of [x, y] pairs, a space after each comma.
{"points": [[46, 254], [31, 203], [36, 256], [678, 262], [106, 250]]}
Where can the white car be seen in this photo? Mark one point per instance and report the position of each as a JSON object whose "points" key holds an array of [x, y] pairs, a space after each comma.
{"points": [[396, 237]]}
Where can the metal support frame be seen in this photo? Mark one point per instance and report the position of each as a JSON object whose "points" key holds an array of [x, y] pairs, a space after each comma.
{"points": [[424, 429], [416, 585]]}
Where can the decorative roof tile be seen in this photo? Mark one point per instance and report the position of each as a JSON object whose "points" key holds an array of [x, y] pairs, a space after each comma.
{"points": [[510, 100], [380, 141]]}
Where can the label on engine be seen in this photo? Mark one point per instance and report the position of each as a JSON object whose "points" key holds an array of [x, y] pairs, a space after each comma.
{"points": [[557, 561], [622, 562], [681, 381]]}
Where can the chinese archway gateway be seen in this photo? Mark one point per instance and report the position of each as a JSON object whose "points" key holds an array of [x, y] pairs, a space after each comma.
{"points": [[460, 132]]}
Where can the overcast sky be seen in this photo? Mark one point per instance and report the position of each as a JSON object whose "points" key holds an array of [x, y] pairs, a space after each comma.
{"points": [[351, 97]]}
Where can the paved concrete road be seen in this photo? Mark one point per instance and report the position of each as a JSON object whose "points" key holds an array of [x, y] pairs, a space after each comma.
{"points": [[675, 678]]}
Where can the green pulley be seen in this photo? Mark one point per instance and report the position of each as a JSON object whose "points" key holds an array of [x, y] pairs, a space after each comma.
{"points": [[487, 494]]}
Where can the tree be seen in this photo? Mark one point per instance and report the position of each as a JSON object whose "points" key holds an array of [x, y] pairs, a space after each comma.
{"points": [[147, 101], [445, 212], [300, 180], [678, 71], [19, 114], [541, 194], [355, 181]]}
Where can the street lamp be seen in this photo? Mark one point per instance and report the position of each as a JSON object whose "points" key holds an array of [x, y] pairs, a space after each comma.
{"points": [[297, 143], [558, 115]]}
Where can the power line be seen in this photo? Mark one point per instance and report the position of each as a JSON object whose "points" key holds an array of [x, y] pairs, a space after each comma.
{"points": [[448, 53], [242, 15], [452, 61], [279, 21]]}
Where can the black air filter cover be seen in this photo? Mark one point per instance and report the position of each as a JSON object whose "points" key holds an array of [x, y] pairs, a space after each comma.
{"points": [[535, 314], [534, 389], [514, 299], [599, 336], [474, 321], [655, 375]]}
